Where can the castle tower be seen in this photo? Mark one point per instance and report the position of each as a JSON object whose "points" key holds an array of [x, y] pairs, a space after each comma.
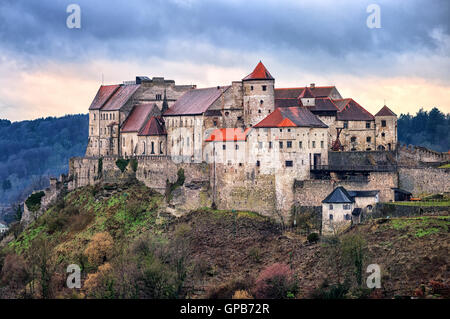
{"points": [[385, 130], [259, 95]]}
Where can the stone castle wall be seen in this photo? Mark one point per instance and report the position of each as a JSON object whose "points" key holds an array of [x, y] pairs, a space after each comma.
{"points": [[420, 181]]}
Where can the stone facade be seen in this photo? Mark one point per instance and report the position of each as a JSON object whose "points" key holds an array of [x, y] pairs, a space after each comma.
{"points": [[423, 181]]}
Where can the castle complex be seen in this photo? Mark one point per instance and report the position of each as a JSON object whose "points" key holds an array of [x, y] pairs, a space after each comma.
{"points": [[248, 145]]}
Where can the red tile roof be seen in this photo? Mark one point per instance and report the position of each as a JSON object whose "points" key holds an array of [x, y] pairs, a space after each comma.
{"points": [[103, 94], [154, 126], [293, 93], [259, 73], [299, 116], [120, 97], [385, 111], [138, 117], [228, 135], [196, 101], [307, 93], [354, 112]]}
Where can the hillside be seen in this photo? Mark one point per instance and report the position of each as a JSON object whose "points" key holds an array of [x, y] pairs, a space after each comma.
{"points": [[33, 150], [129, 246]]}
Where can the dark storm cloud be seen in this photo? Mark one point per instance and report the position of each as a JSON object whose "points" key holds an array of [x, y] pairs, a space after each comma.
{"points": [[117, 29]]}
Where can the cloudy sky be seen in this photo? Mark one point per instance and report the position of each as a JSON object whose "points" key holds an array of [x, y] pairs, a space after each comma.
{"points": [[47, 69]]}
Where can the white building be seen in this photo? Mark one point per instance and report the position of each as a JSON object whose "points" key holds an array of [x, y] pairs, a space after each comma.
{"points": [[3, 228]]}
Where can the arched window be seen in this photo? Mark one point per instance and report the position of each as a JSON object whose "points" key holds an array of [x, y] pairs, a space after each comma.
{"points": [[381, 148], [161, 148], [153, 148]]}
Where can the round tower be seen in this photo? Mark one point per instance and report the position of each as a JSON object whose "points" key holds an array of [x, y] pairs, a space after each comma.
{"points": [[259, 95]]}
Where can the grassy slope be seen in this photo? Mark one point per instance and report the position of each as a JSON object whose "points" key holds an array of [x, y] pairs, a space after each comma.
{"points": [[410, 250]]}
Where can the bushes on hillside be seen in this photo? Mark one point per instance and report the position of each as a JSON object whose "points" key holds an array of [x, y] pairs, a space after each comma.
{"points": [[276, 282], [33, 202], [100, 249]]}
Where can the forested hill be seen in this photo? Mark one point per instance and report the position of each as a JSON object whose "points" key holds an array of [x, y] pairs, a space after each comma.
{"points": [[30, 151], [429, 129]]}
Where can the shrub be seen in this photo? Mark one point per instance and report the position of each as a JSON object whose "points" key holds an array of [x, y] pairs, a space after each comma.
{"points": [[313, 237], [134, 164], [327, 291], [227, 289], [254, 254], [122, 164], [100, 249], [242, 294], [33, 202], [14, 272], [275, 282]]}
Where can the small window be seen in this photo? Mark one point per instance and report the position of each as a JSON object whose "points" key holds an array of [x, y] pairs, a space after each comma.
{"points": [[321, 144], [347, 217], [239, 118], [331, 206], [353, 139], [313, 144], [331, 216], [281, 144], [270, 144], [158, 97], [368, 139], [300, 144], [346, 206], [224, 147], [251, 88], [236, 147], [346, 124], [289, 144], [215, 123], [383, 135], [368, 124], [369, 208], [258, 163], [259, 111], [264, 87], [227, 113], [281, 130], [260, 145], [289, 164], [383, 123], [289, 129]]}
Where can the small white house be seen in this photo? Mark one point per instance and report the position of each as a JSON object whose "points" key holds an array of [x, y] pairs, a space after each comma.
{"points": [[341, 207], [3, 228]]}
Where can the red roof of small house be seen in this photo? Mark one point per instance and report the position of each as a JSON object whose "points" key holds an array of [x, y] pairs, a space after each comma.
{"points": [[354, 112], [120, 97], [228, 135], [341, 103], [323, 104], [138, 116], [385, 111], [307, 93], [154, 126], [103, 94], [291, 116], [294, 93], [196, 101], [259, 73]]}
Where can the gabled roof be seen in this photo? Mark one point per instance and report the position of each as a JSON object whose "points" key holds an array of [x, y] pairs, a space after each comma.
{"points": [[154, 126], [363, 193], [385, 111], [103, 94], [294, 93], [323, 104], [196, 101], [341, 103], [338, 195], [297, 116], [138, 116], [259, 73], [120, 97], [307, 93], [354, 112], [228, 135]]}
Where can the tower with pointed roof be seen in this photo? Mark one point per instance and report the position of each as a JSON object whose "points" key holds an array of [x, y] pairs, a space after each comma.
{"points": [[259, 95], [385, 129]]}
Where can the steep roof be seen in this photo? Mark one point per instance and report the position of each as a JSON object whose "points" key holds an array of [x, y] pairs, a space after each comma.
{"points": [[341, 103], [339, 195], [323, 104], [307, 93], [196, 101], [298, 116], [354, 112], [293, 93], [154, 126], [138, 116], [103, 94], [120, 97], [385, 111], [259, 73], [228, 135]]}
